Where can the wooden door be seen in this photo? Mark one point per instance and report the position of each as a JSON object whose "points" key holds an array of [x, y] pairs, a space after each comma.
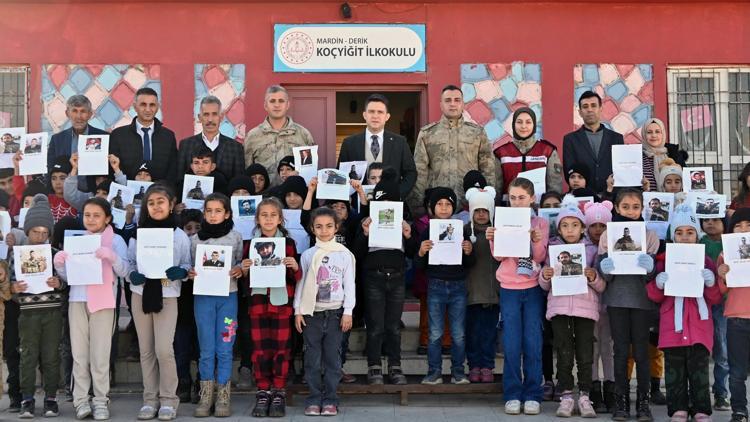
{"points": [[315, 109]]}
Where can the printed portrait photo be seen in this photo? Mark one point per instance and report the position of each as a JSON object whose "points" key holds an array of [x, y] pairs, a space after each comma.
{"points": [[333, 177], [743, 249], [196, 192], [628, 242], [658, 210], [11, 143], [94, 144], [697, 180], [446, 232], [247, 207], [266, 254], [704, 205], [386, 217], [214, 259], [306, 157], [117, 201], [568, 264], [33, 146], [33, 262], [138, 197]]}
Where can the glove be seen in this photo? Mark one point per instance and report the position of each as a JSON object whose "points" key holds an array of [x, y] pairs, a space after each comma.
{"points": [[60, 258], [645, 261], [661, 280], [176, 273], [136, 278], [708, 277], [607, 265], [106, 254]]}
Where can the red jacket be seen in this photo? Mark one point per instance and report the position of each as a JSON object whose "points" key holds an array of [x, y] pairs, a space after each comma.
{"points": [[512, 161]]}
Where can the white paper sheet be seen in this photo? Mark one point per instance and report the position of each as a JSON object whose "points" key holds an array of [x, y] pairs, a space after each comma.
{"points": [[10, 143], [296, 231], [568, 261], [386, 230], [22, 216], [34, 149], [306, 161], [624, 248], [707, 205], [512, 232], [155, 252], [212, 266], [195, 190], [356, 170], [33, 265], [243, 214], [5, 224], [698, 179], [333, 184], [539, 178], [119, 197], [550, 214], [447, 236], [82, 266], [684, 263], [3, 251], [736, 248], [93, 153], [139, 188], [267, 254], [627, 164]]}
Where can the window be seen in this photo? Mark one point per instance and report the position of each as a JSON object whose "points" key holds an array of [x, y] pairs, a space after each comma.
{"points": [[709, 117], [14, 96]]}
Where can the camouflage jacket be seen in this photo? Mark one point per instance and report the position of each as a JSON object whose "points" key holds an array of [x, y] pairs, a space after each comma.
{"points": [[267, 146], [445, 152]]}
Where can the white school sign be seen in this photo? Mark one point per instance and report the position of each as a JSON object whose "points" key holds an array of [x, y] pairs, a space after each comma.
{"points": [[349, 48]]}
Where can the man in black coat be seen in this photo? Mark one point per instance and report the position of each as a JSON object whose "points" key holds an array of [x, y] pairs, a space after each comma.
{"points": [[591, 144], [376, 144], [229, 155], [146, 139]]}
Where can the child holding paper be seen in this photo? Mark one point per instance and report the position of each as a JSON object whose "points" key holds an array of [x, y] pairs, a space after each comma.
{"points": [[630, 310], [216, 316], [686, 329], [293, 191], [154, 305], [322, 318], [91, 313], [270, 317], [522, 306], [573, 318]]}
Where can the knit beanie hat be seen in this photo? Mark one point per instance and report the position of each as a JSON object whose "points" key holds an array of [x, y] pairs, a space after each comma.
{"points": [[667, 167], [286, 161], [145, 166], [683, 215], [439, 193], [474, 179], [740, 215], [387, 188], [39, 215], [241, 182], [571, 211], [61, 165], [597, 212], [580, 169], [480, 199], [531, 113], [295, 184], [33, 188]]}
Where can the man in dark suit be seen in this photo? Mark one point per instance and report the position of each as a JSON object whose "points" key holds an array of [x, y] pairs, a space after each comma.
{"points": [[591, 144], [146, 139], [378, 145], [214, 261], [65, 143], [229, 155]]}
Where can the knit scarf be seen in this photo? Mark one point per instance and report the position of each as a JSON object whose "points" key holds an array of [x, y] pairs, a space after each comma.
{"points": [[99, 296], [679, 306], [214, 231], [277, 295], [153, 296], [657, 153], [310, 287]]}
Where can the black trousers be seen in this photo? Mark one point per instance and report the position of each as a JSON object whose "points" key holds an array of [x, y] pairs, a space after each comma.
{"points": [[384, 304], [630, 327], [574, 344], [686, 379], [11, 343]]}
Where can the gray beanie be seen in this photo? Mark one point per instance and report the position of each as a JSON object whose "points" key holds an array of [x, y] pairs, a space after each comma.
{"points": [[39, 215]]}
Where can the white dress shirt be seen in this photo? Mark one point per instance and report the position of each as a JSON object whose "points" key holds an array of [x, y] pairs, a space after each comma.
{"points": [[213, 143]]}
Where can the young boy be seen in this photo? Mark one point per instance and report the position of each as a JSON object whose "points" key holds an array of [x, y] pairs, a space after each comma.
{"points": [[446, 294], [203, 163], [144, 173], [287, 168], [13, 186], [57, 176], [577, 177]]}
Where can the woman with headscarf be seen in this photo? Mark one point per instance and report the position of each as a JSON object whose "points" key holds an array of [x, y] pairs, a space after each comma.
{"points": [[656, 149], [525, 152]]}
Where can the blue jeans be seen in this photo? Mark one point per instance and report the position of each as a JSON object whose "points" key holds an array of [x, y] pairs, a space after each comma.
{"points": [[481, 334], [719, 354], [523, 313], [738, 352], [216, 319], [446, 296], [322, 335]]}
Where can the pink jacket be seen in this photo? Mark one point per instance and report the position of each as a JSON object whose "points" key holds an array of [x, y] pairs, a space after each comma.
{"points": [[694, 329], [506, 273], [583, 305]]}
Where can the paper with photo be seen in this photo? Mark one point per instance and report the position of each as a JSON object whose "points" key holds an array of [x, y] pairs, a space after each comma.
{"points": [[368, 194], [386, 226], [657, 211], [139, 188], [333, 184], [212, 266], [550, 214], [627, 164], [34, 159], [512, 232], [5, 224], [155, 252], [292, 220], [707, 205], [11, 138], [306, 161], [568, 262], [356, 171], [539, 178], [736, 249], [243, 213], [195, 189], [267, 255], [93, 155], [626, 241], [698, 179], [684, 263], [119, 197], [33, 266], [446, 236], [82, 266]]}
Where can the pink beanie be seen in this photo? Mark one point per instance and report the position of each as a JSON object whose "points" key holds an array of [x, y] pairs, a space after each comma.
{"points": [[597, 212], [570, 211]]}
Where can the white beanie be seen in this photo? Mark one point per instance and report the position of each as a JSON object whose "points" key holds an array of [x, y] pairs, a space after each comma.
{"points": [[483, 199]]}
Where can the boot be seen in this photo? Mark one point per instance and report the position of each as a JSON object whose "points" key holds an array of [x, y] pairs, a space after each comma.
{"points": [[657, 397], [642, 411], [262, 400], [277, 409], [183, 390], [195, 392], [206, 401], [223, 407], [609, 397], [597, 399], [622, 408]]}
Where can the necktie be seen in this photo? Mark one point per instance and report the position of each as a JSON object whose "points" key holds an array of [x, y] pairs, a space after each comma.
{"points": [[146, 144], [375, 147]]}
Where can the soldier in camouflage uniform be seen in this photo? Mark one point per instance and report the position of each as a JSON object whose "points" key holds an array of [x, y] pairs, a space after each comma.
{"points": [[274, 139], [447, 149]]}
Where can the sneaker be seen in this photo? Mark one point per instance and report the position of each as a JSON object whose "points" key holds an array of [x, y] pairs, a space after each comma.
{"points": [[679, 416], [422, 350], [474, 375], [262, 400], [434, 378], [167, 413], [147, 412], [738, 417], [329, 410], [396, 376], [83, 411], [531, 407], [51, 409], [513, 407], [101, 412], [15, 405], [548, 392], [27, 409], [245, 381], [348, 378], [459, 378], [567, 405], [375, 375], [722, 404], [312, 410], [277, 409], [486, 376], [585, 407]]}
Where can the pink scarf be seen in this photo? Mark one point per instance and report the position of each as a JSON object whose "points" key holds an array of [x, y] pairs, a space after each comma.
{"points": [[100, 295]]}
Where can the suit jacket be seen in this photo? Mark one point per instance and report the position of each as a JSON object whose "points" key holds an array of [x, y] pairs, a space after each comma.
{"points": [[126, 144], [59, 144], [229, 156], [396, 154], [577, 151]]}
